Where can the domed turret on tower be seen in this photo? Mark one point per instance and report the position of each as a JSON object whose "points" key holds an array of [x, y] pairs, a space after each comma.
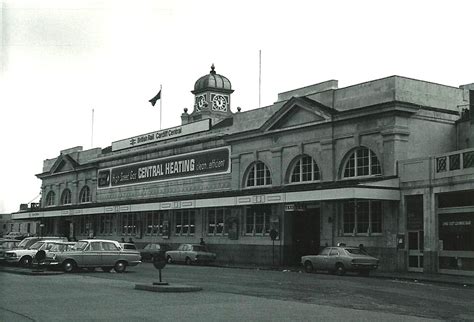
{"points": [[212, 81], [211, 98]]}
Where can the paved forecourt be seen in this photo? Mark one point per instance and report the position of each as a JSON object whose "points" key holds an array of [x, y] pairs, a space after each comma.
{"points": [[86, 298]]}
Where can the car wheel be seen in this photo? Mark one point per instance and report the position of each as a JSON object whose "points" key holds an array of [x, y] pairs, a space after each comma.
{"points": [[340, 270], [188, 261], [308, 267], [106, 269], [69, 266], [120, 267], [25, 261], [169, 260]]}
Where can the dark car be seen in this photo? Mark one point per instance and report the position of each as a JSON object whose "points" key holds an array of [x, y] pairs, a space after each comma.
{"points": [[153, 249], [340, 259]]}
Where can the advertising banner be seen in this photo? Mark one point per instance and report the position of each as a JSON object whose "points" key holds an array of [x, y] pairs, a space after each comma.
{"points": [[202, 163]]}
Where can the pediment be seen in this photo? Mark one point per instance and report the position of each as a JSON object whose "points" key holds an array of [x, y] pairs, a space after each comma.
{"points": [[64, 163], [298, 111]]}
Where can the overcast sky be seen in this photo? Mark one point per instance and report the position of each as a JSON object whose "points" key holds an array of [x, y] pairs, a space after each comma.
{"points": [[61, 59]]}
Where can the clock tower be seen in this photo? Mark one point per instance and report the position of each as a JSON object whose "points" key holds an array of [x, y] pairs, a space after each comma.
{"points": [[211, 98]]}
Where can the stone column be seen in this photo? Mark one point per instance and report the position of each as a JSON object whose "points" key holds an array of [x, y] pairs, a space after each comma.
{"points": [[236, 175], [430, 222], [328, 168], [277, 175]]}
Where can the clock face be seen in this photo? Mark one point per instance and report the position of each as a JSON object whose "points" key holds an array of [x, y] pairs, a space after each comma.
{"points": [[201, 102], [219, 103]]}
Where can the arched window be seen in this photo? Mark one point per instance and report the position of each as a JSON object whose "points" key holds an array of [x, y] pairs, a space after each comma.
{"points": [[85, 195], [362, 162], [66, 197], [50, 198], [305, 169], [258, 175]]}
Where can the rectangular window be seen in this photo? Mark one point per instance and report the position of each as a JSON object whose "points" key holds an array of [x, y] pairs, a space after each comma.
{"points": [[148, 223], [257, 220], [362, 217], [185, 222], [349, 217], [216, 221], [376, 217], [154, 223], [128, 222]]}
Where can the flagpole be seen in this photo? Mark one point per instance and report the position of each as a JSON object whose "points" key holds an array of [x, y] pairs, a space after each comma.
{"points": [[259, 78], [92, 130], [161, 100]]}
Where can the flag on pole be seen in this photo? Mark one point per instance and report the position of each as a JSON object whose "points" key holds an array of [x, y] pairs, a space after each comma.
{"points": [[155, 99]]}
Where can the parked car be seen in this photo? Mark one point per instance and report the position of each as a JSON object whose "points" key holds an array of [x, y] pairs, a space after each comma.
{"points": [[6, 245], [28, 241], [92, 253], [340, 260], [24, 256], [153, 249], [189, 254]]}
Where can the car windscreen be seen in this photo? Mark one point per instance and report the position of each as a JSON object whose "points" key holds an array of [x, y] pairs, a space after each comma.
{"points": [[23, 243], [37, 245]]}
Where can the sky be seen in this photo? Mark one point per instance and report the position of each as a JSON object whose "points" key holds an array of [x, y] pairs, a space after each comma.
{"points": [[81, 72]]}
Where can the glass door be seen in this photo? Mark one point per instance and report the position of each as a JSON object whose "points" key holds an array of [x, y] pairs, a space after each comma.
{"points": [[415, 251]]}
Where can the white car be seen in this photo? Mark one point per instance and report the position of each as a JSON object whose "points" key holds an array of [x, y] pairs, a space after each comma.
{"points": [[93, 253], [24, 257], [189, 254]]}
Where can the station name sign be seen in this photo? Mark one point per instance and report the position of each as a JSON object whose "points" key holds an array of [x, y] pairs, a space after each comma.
{"points": [[174, 132], [208, 162]]}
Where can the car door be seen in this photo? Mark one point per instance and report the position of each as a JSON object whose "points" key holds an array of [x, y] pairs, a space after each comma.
{"points": [[110, 254], [91, 256], [332, 259], [181, 252]]}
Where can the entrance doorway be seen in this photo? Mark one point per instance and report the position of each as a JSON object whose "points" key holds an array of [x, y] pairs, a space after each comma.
{"points": [[66, 228], [306, 233], [415, 251]]}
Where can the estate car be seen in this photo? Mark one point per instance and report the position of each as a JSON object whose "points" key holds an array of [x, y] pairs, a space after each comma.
{"points": [[93, 253]]}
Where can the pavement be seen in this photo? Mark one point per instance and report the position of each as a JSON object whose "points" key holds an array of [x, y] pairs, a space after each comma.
{"points": [[465, 281]]}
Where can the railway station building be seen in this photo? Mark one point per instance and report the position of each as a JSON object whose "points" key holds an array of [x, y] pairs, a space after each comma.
{"points": [[388, 163]]}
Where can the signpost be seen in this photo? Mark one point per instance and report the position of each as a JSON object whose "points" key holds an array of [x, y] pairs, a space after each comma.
{"points": [[159, 261], [273, 236]]}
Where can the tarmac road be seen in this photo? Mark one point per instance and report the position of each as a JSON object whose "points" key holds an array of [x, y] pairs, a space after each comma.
{"points": [[404, 297], [228, 294], [85, 297]]}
